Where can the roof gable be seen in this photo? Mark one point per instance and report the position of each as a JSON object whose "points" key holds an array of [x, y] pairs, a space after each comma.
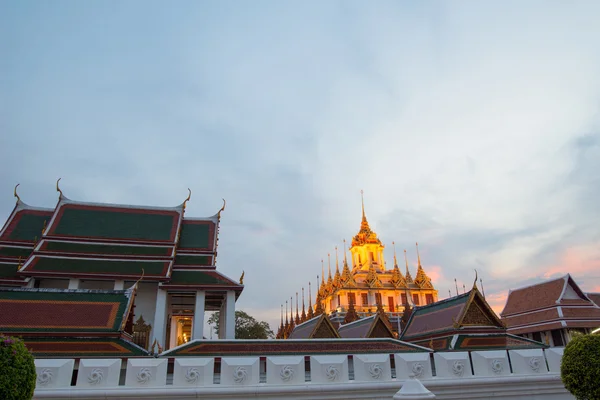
{"points": [[533, 297], [370, 327], [317, 328], [25, 224]]}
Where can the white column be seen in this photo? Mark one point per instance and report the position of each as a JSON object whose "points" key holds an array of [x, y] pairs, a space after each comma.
{"points": [[119, 285], [222, 329], [158, 328], [230, 315], [31, 283], [198, 328], [73, 283]]}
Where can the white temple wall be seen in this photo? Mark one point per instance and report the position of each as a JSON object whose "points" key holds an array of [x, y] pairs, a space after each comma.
{"points": [[53, 283], [145, 302], [96, 285], [327, 377]]}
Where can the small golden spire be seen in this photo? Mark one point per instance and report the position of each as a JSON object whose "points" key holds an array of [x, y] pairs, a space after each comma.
{"points": [[19, 267], [303, 316], [44, 227], [322, 273], [242, 277], [188, 198], [395, 260], [475, 281], [297, 314], [345, 259], [408, 276], [362, 201], [418, 255], [58, 188], [337, 265], [16, 195], [329, 267]]}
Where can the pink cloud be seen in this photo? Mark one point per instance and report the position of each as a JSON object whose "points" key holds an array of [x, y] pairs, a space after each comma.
{"points": [[435, 273], [497, 301], [576, 261]]}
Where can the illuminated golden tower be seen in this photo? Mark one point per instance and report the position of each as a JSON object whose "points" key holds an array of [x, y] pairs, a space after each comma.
{"points": [[368, 285]]}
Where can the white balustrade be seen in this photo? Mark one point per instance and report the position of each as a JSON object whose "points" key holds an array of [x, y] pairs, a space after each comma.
{"points": [[490, 363], [193, 371], [329, 369], [416, 365], [372, 367], [285, 370], [530, 361], [146, 372], [554, 356], [99, 373], [455, 365], [53, 373], [240, 371]]}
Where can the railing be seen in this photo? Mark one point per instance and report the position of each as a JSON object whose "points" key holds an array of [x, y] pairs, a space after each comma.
{"points": [[512, 374]]}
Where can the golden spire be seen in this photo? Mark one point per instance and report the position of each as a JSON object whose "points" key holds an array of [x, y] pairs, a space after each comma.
{"points": [[187, 199], [222, 209], [397, 280], [16, 195], [310, 314], [337, 279], [322, 273], [362, 201], [395, 260], [242, 278], [418, 255], [303, 316], [329, 277], [408, 276], [421, 279], [292, 324], [297, 315], [345, 259]]}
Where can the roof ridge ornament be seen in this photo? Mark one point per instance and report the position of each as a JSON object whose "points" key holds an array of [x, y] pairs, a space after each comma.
{"points": [[222, 208], [61, 195], [188, 198], [475, 281], [16, 194]]}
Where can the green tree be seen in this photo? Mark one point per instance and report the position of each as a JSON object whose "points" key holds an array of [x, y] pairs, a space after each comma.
{"points": [[580, 367], [17, 370], [246, 327]]}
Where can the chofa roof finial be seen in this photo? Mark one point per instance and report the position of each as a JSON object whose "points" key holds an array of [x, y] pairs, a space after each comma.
{"points": [[222, 208], [188, 198], [58, 188], [16, 195]]}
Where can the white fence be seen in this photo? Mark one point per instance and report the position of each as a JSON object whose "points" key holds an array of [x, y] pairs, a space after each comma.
{"points": [[513, 374]]}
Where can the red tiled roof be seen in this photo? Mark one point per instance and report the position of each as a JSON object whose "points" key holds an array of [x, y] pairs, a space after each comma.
{"points": [[582, 313], [534, 317], [538, 328], [595, 297], [534, 297]]}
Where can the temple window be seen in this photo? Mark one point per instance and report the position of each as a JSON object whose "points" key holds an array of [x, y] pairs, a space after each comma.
{"points": [[378, 298], [365, 299], [416, 299], [428, 298], [351, 298], [404, 299], [391, 303]]}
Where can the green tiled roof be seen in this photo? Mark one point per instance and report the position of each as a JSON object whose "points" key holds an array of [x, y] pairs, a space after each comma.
{"points": [[197, 278], [29, 227], [8, 270], [97, 266], [86, 248], [195, 236], [193, 260], [105, 223], [15, 252]]}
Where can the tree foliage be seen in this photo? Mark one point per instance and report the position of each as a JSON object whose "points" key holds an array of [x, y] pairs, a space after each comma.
{"points": [[17, 370], [246, 327], [580, 367]]}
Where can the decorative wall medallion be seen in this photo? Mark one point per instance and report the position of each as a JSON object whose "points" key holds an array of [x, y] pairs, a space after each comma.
{"points": [[144, 376], [497, 366], [458, 368], [286, 373], [192, 375], [96, 376], [535, 364], [376, 371], [418, 369], [45, 377], [240, 374], [332, 373]]}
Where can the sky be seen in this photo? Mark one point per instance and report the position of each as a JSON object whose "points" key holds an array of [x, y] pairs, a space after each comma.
{"points": [[473, 128]]}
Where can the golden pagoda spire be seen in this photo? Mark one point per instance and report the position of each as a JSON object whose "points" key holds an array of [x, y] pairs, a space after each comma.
{"points": [[364, 225], [397, 280], [418, 255], [280, 330], [292, 324], [395, 259], [329, 278], [303, 316], [345, 258], [421, 279], [286, 328], [310, 314], [408, 276], [337, 279], [297, 315]]}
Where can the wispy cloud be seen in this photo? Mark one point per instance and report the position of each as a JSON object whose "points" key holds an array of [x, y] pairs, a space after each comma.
{"points": [[472, 127]]}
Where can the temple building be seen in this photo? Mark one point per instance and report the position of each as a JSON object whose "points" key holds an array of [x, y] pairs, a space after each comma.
{"points": [[365, 285], [153, 266], [551, 311]]}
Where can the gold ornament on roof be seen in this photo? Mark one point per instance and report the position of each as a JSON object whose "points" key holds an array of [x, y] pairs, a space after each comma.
{"points": [[16, 195], [187, 198], [58, 188], [242, 278], [222, 208], [365, 234]]}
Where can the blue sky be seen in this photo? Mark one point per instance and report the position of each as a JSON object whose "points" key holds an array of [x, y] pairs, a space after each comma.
{"points": [[472, 126]]}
